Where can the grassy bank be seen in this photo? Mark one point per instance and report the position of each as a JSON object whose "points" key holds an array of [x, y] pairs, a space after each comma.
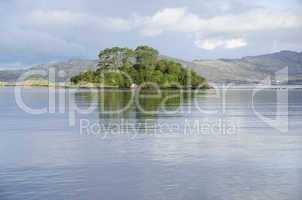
{"points": [[35, 83], [46, 83], [2, 84]]}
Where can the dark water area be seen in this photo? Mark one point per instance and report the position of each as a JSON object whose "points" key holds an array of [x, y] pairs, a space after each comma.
{"points": [[227, 145]]}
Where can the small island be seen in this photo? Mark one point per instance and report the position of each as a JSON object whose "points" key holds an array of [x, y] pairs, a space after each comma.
{"points": [[127, 68]]}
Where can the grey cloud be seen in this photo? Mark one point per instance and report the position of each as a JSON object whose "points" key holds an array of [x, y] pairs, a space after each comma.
{"points": [[31, 45], [31, 33]]}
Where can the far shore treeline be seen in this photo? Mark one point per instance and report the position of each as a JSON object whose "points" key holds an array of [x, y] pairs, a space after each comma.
{"points": [[124, 67]]}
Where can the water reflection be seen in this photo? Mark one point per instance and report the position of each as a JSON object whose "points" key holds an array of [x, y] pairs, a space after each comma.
{"points": [[43, 158], [111, 102], [137, 112]]}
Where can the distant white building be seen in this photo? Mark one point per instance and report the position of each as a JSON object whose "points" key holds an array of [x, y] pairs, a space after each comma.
{"points": [[133, 86]]}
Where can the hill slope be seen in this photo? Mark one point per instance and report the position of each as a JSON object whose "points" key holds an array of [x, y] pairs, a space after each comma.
{"points": [[252, 68], [71, 68]]}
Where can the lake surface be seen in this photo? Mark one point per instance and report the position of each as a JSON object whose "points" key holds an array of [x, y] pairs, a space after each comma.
{"points": [[239, 150]]}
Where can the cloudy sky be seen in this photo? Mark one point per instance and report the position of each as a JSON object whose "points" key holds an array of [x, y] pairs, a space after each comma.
{"points": [[39, 31]]}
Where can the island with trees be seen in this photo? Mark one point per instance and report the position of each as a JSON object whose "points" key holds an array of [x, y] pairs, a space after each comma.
{"points": [[124, 67]]}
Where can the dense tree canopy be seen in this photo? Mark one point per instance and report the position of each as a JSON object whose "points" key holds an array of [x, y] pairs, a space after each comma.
{"points": [[115, 58], [122, 67]]}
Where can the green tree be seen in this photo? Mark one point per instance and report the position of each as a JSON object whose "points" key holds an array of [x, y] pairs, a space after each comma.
{"points": [[157, 77], [146, 57], [115, 58], [120, 67]]}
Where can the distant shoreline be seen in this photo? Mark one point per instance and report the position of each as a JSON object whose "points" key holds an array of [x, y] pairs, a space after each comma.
{"points": [[92, 86], [45, 84]]}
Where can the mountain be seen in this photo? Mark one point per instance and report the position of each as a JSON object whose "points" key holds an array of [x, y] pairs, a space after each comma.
{"points": [[71, 68], [251, 69], [10, 75]]}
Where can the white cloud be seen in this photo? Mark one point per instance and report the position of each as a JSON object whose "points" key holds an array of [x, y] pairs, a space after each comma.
{"points": [[210, 44], [180, 20], [235, 43], [57, 19], [170, 19], [174, 20], [38, 31], [219, 31]]}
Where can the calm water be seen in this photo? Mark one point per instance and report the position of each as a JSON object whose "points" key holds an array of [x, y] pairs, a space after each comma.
{"points": [[233, 154]]}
